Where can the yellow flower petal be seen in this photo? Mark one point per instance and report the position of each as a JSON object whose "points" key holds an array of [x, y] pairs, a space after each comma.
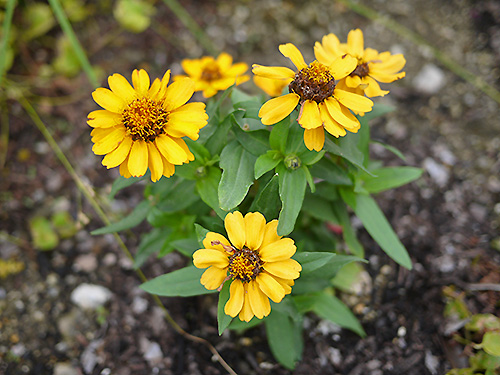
{"points": [[353, 81], [193, 68], [163, 87], [168, 168], [118, 155], [272, 87], [314, 139], [328, 50], [110, 142], [140, 80], [373, 89], [286, 284], [276, 109], [236, 296], [246, 314], [155, 162], [98, 134], [334, 109], [237, 69], [235, 227], [353, 101], [273, 72], [392, 64], [355, 43], [103, 119], [309, 117], [386, 78], [255, 223], [138, 158], [185, 148], [224, 60], [107, 99], [204, 258], [342, 66], [213, 277], [154, 89], [124, 169], [330, 125], [270, 287], [286, 269], [279, 250], [187, 121], [120, 86], [258, 300], [293, 53], [212, 237], [170, 149], [270, 233], [178, 93]]}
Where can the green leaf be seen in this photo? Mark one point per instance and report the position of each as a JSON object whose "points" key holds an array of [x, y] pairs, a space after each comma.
{"points": [[378, 110], [331, 172], [367, 210], [324, 263], [284, 336], [44, 236], [179, 198], [267, 202], [238, 96], [64, 224], [66, 62], [150, 243], [292, 190], [207, 188], [131, 220], [223, 320], [255, 142], [134, 15], [216, 142], [241, 326], [309, 179], [186, 246], [122, 182], [37, 20], [348, 150], [331, 308], [201, 233], [237, 175], [279, 135], [491, 343], [390, 177], [392, 149], [310, 157], [295, 141], [319, 208], [340, 210], [266, 162], [181, 283]]}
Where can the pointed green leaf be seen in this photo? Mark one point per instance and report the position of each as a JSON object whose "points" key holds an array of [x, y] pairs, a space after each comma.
{"points": [[292, 190], [491, 343], [122, 182], [279, 135], [255, 142], [390, 177], [267, 202], [181, 283], [223, 320], [201, 233], [150, 243], [208, 187], [131, 220], [266, 162], [348, 150], [340, 210]]}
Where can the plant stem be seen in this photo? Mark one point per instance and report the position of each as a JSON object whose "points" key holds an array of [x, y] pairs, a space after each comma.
{"points": [[88, 192], [191, 25], [75, 44], [414, 37], [9, 12]]}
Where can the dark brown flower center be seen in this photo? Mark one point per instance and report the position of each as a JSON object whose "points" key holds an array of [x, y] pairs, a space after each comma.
{"points": [[211, 72], [361, 70], [245, 265], [313, 83], [144, 119]]}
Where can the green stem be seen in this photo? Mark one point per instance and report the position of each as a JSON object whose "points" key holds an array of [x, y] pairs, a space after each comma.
{"points": [[191, 25], [449, 63], [9, 12], [75, 44], [89, 193]]}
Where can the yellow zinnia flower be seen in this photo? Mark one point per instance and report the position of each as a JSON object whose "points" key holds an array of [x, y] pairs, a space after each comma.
{"points": [[313, 86], [371, 65], [255, 258], [272, 87], [213, 75], [142, 126]]}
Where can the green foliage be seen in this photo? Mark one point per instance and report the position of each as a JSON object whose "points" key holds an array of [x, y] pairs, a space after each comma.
{"points": [[134, 15], [181, 283]]}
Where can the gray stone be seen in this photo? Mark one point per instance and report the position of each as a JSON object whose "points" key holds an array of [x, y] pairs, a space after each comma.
{"points": [[429, 80], [90, 296]]}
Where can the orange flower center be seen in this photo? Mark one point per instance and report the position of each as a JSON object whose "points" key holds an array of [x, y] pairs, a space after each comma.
{"points": [[245, 265], [313, 83], [211, 72], [144, 119], [361, 70]]}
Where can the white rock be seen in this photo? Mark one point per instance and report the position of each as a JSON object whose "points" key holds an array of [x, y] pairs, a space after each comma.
{"points": [[139, 305], [431, 362], [65, 369], [151, 351], [90, 296], [429, 80], [438, 172]]}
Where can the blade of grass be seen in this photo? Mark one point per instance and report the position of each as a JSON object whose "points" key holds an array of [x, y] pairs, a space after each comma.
{"points": [[191, 25], [414, 37], [89, 193], [9, 12], [75, 44]]}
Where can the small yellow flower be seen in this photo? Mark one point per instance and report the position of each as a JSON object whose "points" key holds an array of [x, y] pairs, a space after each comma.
{"points": [[272, 87], [255, 258], [313, 86], [213, 75], [141, 127], [372, 66]]}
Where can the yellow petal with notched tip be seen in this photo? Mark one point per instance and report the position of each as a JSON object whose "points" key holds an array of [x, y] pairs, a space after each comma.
{"points": [[334, 109], [270, 233], [293, 53], [276, 109], [258, 300], [273, 72], [355, 42], [155, 162], [170, 150], [330, 125], [213, 277], [204, 258], [138, 158], [309, 117], [314, 139], [110, 142], [236, 297], [255, 224], [286, 269], [124, 169], [140, 80], [104, 119], [107, 99], [178, 93], [353, 101], [118, 155], [214, 237], [280, 250], [342, 66], [120, 86], [270, 287], [235, 227]]}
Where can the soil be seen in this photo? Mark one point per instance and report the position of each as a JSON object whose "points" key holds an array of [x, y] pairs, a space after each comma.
{"points": [[448, 220]]}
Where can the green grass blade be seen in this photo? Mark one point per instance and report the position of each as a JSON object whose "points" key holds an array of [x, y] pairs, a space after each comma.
{"points": [[11, 4]]}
